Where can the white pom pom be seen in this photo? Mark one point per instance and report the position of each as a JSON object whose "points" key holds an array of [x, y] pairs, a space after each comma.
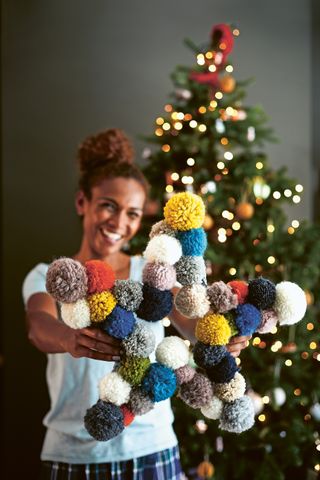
{"points": [[213, 409], [163, 249], [290, 304], [172, 352], [114, 389], [77, 314], [228, 392]]}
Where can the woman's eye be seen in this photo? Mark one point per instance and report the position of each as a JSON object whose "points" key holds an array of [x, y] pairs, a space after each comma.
{"points": [[133, 215], [109, 206]]}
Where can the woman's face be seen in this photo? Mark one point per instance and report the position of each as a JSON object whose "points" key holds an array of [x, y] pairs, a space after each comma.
{"points": [[112, 216]]}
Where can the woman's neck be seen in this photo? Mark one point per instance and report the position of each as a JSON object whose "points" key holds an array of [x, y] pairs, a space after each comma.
{"points": [[119, 261]]}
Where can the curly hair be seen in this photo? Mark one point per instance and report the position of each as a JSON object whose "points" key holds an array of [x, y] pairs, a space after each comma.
{"points": [[107, 154]]}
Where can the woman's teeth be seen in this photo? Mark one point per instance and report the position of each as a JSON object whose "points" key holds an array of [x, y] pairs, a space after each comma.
{"points": [[111, 235]]}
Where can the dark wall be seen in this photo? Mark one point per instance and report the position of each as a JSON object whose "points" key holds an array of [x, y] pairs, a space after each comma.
{"points": [[73, 67]]}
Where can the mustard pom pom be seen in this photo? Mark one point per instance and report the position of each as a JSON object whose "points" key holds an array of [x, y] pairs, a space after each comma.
{"points": [[184, 211], [101, 305], [213, 329]]}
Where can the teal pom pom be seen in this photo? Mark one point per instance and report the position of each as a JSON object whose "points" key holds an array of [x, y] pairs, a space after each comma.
{"points": [[193, 242], [159, 382]]}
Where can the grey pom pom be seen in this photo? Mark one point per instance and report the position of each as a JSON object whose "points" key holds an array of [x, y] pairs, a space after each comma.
{"points": [[139, 401], [128, 294], [141, 342], [197, 392], [161, 228], [66, 280], [191, 270], [237, 416], [221, 297]]}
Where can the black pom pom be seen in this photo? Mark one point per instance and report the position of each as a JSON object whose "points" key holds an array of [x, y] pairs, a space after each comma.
{"points": [[104, 421], [156, 304], [206, 356], [224, 371], [262, 293]]}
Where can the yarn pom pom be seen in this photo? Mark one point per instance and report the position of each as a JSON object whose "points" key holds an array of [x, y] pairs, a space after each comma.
{"points": [[213, 329], [159, 275], [229, 392], [184, 211], [120, 323], [268, 322], [224, 371], [163, 249], [128, 294], [262, 293], [159, 382], [240, 288], [237, 416], [156, 304], [128, 416], [132, 369], [161, 228], [213, 409], [247, 319], [184, 374], [198, 392], [114, 389], [66, 280], [230, 316], [191, 270], [193, 242], [192, 302], [104, 421], [206, 356], [76, 315], [221, 297], [172, 352], [100, 276], [290, 304], [140, 402], [141, 342], [101, 305]]}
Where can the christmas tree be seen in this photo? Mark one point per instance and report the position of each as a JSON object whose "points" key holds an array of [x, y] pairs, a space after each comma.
{"points": [[210, 142]]}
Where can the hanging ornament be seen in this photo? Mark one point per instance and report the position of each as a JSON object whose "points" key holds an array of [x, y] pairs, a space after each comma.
{"points": [[227, 84], [244, 210], [201, 426], [146, 153], [258, 404], [220, 126], [279, 396], [205, 469], [251, 134], [208, 222], [290, 347], [309, 297], [260, 188], [183, 94], [315, 411]]}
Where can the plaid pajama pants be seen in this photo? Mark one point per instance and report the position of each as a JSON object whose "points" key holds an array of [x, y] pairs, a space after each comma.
{"points": [[164, 465]]}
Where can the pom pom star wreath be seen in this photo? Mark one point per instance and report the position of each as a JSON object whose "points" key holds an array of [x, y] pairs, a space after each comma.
{"points": [[90, 296]]}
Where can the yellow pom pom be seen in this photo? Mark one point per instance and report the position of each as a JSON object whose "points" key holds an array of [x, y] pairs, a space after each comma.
{"points": [[101, 305], [213, 329], [184, 211]]}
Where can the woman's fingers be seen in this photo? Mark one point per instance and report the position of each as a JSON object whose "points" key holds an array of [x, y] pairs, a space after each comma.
{"points": [[101, 336]]}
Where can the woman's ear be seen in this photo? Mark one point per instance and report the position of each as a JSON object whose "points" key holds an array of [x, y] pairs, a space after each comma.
{"points": [[80, 202]]}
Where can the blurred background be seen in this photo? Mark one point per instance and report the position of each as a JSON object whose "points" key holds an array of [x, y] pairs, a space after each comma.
{"points": [[73, 68]]}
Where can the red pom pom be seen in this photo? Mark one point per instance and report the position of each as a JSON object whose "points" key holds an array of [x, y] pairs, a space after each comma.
{"points": [[100, 275], [240, 288], [128, 416]]}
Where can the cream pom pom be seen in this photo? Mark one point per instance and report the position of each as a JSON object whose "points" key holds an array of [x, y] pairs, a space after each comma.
{"points": [[290, 304], [228, 392], [192, 302], [163, 249], [213, 409], [77, 314], [112, 388], [172, 352]]}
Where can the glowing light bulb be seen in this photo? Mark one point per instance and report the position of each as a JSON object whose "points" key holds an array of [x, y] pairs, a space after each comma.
{"points": [[175, 176], [190, 161], [276, 195], [271, 259], [228, 155]]}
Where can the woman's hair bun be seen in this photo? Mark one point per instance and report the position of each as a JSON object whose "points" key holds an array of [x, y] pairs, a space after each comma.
{"points": [[109, 145]]}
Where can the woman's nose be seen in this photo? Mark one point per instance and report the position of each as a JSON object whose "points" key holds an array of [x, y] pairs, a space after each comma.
{"points": [[118, 220]]}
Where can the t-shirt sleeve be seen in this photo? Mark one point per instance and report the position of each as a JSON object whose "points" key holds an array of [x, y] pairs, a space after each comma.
{"points": [[35, 282]]}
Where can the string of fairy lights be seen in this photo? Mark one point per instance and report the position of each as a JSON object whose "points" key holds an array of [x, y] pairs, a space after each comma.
{"points": [[171, 125]]}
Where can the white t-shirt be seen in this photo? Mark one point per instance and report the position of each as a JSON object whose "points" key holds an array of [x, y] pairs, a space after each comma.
{"points": [[73, 388]]}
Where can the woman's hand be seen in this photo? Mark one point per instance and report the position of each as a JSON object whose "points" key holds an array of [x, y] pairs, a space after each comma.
{"points": [[92, 343], [237, 344]]}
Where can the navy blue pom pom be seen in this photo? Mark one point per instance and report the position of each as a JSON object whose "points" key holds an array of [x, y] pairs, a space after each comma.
{"points": [[224, 371], [104, 421], [156, 304], [206, 356], [119, 323], [193, 242], [247, 319], [262, 293], [159, 382]]}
